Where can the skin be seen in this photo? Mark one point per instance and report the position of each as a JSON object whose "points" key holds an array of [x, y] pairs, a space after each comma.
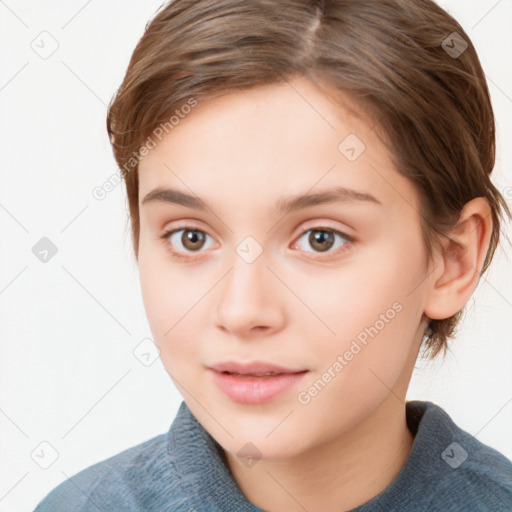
{"points": [[296, 305]]}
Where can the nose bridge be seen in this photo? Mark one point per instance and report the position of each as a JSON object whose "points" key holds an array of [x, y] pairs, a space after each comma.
{"points": [[248, 269], [245, 300]]}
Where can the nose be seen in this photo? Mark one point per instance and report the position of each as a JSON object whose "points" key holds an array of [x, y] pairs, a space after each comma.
{"points": [[248, 300]]}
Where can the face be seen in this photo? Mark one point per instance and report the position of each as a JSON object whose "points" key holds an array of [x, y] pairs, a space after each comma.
{"points": [[326, 292]]}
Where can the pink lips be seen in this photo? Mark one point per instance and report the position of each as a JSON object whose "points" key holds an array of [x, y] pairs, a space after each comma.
{"points": [[255, 382]]}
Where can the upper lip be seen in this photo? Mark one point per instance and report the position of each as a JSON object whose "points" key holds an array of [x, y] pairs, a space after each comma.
{"points": [[251, 368]]}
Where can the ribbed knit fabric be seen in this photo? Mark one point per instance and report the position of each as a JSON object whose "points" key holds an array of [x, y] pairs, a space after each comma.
{"points": [[447, 470]]}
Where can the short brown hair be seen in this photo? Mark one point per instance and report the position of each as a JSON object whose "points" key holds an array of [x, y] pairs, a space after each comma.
{"points": [[390, 56]]}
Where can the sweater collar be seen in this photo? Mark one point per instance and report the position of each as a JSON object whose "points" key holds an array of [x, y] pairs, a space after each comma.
{"points": [[207, 484], [207, 481]]}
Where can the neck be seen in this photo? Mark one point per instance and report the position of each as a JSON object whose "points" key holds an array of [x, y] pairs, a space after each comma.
{"points": [[341, 474]]}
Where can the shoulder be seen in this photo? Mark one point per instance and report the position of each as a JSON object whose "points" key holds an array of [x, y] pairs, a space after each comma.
{"points": [[475, 476], [115, 483], [482, 482]]}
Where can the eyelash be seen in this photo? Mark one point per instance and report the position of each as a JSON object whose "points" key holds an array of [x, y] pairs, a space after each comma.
{"points": [[175, 254]]}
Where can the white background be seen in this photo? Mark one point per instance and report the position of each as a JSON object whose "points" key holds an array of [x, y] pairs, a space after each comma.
{"points": [[68, 327]]}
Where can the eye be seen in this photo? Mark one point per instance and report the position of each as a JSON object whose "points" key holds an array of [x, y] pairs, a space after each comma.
{"points": [[186, 239], [324, 239]]}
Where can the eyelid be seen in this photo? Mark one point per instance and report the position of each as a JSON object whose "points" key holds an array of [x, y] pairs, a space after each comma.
{"points": [[165, 237], [304, 228], [319, 225], [328, 255], [184, 226]]}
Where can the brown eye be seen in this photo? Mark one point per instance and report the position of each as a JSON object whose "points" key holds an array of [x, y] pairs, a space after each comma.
{"points": [[186, 240], [321, 240], [192, 240], [324, 239]]}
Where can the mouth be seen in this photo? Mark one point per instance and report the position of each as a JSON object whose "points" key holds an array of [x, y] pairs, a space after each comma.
{"points": [[255, 368], [254, 375], [255, 382]]}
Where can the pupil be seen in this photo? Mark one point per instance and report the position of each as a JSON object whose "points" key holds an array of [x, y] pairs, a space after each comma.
{"points": [[191, 239], [322, 240]]}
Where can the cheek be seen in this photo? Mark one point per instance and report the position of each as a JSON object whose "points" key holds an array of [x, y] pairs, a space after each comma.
{"points": [[374, 307], [375, 282], [167, 289], [178, 305], [171, 297]]}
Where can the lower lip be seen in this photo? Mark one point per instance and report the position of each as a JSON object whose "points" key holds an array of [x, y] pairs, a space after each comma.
{"points": [[255, 390]]}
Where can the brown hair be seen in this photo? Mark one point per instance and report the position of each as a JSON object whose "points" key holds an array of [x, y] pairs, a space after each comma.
{"points": [[390, 56]]}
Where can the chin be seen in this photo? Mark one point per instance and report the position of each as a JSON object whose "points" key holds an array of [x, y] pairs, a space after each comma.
{"points": [[262, 450], [280, 444]]}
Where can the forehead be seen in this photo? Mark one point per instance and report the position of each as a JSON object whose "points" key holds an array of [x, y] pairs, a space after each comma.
{"points": [[251, 146]]}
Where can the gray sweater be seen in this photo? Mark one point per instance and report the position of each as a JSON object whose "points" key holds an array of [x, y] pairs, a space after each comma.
{"points": [[183, 470]]}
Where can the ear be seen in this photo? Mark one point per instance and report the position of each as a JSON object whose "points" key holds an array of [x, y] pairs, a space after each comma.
{"points": [[457, 265]]}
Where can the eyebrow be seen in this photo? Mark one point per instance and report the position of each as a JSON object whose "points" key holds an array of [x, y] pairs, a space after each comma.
{"points": [[283, 205]]}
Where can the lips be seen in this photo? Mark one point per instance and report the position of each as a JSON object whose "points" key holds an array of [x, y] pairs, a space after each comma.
{"points": [[253, 369], [255, 382]]}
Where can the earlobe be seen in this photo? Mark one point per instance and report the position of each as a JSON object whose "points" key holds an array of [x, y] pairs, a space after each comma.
{"points": [[460, 261]]}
